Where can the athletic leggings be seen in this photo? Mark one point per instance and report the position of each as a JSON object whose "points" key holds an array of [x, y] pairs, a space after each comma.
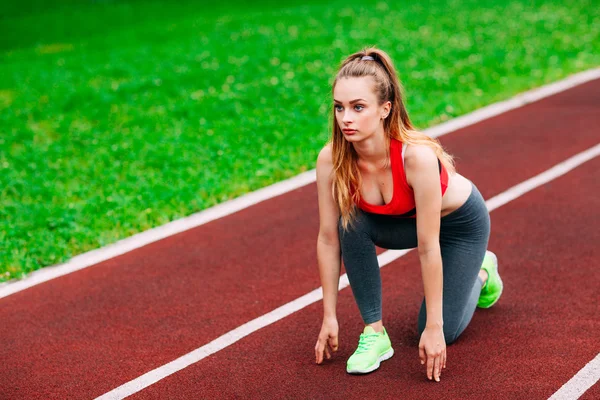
{"points": [[464, 235]]}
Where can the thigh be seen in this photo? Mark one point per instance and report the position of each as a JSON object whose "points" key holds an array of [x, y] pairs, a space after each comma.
{"points": [[461, 266], [462, 255]]}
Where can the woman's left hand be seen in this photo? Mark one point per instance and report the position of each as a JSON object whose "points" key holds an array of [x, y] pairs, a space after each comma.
{"points": [[432, 351]]}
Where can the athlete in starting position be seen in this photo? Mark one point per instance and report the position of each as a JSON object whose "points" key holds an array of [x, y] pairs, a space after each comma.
{"points": [[381, 182]]}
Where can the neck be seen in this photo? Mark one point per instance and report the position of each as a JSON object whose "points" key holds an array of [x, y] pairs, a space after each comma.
{"points": [[372, 150]]}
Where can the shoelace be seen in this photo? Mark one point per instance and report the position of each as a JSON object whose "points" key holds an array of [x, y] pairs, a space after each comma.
{"points": [[365, 342]]}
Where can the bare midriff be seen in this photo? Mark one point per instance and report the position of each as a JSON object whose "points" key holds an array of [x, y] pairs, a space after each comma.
{"points": [[458, 191]]}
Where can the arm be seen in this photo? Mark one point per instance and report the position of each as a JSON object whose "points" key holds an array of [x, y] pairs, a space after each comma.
{"points": [[423, 176], [328, 246], [328, 255]]}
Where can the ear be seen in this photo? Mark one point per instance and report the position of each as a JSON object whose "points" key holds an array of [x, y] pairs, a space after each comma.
{"points": [[387, 106]]}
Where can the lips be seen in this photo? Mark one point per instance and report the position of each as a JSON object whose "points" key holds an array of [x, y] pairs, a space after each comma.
{"points": [[349, 131]]}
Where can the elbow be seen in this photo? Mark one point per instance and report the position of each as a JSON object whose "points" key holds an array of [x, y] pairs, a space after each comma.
{"points": [[429, 249], [328, 239]]}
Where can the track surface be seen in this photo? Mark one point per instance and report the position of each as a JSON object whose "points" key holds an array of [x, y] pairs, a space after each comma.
{"points": [[83, 334]]}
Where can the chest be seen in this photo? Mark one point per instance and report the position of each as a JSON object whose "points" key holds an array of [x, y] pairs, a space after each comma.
{"points": [[377, 185]]}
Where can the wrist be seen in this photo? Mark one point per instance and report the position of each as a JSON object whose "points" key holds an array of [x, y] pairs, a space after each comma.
{"points": [[435, 324], [328, 316]]}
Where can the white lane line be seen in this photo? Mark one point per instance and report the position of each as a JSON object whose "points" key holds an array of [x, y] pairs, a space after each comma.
{"points": [[384, 258], [582, 381], [152, 235], [155, 234]]}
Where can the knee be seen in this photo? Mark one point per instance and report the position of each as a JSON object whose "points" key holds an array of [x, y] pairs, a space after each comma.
{"points": [[340, 227], [450, 336], [359, 225], [450, 333]]}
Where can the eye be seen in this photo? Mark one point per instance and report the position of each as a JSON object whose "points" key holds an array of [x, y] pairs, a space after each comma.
{"points": [[358, 105], [337, 107]]}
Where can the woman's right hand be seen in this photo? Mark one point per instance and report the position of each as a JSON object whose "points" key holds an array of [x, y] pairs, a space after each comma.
{"points": [[328, 339]]}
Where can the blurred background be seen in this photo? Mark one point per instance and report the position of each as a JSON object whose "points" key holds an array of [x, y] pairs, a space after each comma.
{"points": [[119, 116]]}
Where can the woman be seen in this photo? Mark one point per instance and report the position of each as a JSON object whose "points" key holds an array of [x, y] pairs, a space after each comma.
{"points": [[382, 183]]}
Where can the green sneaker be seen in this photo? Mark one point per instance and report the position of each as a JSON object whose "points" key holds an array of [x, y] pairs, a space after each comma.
{"points": [[372, 348], [492, 289]]}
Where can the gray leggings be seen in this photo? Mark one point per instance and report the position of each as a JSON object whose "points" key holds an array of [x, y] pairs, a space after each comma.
{"points": [[464, 235]]}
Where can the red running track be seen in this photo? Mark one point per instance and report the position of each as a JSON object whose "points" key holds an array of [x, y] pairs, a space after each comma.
{"points": [[86, 333], [541, 333]]}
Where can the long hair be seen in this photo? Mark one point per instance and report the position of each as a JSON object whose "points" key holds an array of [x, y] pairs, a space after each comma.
{"points": [[347, 178]]}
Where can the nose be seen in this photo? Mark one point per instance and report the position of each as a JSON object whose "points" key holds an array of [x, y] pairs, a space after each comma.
{"points": [[347, 118]]}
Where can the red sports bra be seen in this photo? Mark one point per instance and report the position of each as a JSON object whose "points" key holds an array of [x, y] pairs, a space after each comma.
{"points": [[403, 198]]}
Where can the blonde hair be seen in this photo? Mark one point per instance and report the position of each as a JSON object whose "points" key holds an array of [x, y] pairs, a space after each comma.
{"points": [[397, 125]]}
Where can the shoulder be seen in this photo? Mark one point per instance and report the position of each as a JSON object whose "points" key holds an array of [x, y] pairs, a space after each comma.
{"points": [[325, 160], [420, 156], [420, 166], [325, 156]]}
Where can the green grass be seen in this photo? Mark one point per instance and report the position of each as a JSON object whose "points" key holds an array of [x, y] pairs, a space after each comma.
{"points": [[117, 117]]}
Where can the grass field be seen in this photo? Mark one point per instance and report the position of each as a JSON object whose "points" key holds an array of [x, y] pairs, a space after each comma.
{"points": [[117, 117]]}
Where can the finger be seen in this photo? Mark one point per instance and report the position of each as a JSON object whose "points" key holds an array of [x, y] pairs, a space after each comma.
{"points": [[436, 367], [333, 342], [327, 353], [445, 357], [429, 366], [319, 353], [422, 355]]}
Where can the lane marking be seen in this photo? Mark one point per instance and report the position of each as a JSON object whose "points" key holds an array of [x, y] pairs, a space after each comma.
{"points": [[582, 381], [384, 258], [219, 211]]}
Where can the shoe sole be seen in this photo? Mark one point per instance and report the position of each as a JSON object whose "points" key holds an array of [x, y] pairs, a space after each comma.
{"points": [[385, 356], [495, 259]]}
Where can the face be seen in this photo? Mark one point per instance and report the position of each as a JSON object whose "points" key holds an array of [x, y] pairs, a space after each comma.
{"points": [[357, 111]]}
